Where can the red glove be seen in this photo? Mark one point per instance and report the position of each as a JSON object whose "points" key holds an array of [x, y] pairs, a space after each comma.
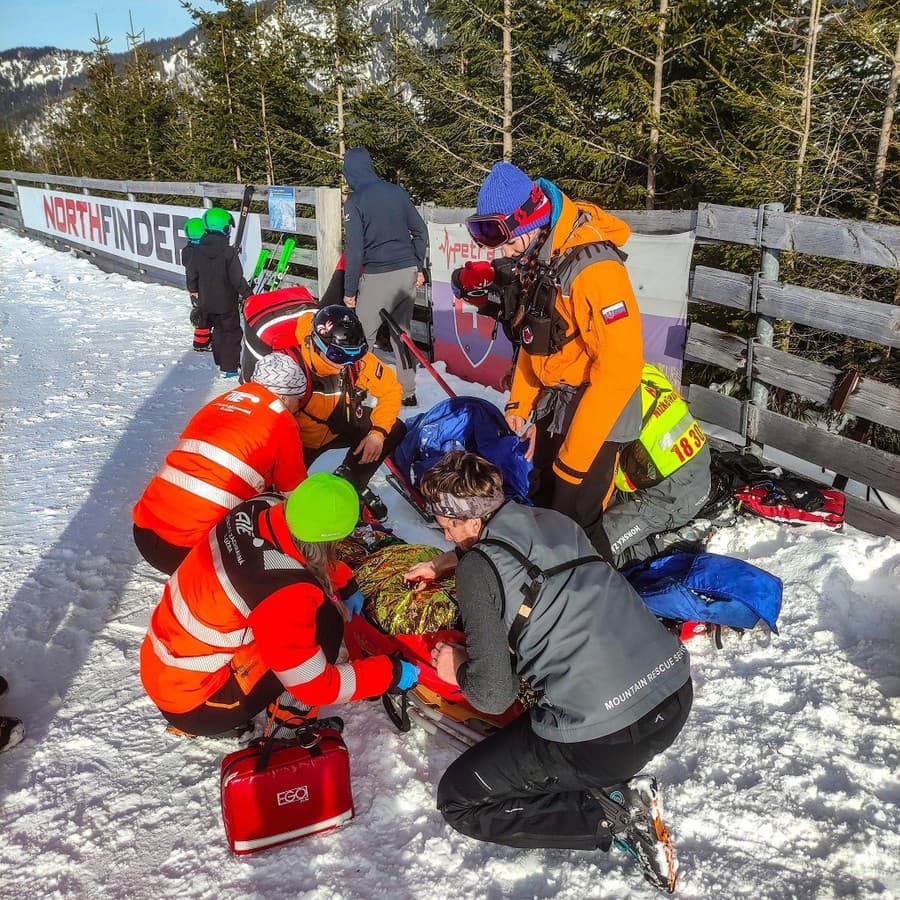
{"points": [[476, 276], [472, 281]]}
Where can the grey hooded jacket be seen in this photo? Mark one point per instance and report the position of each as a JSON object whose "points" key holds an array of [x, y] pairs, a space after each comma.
{"points": [[596, 655], [384, 231]]}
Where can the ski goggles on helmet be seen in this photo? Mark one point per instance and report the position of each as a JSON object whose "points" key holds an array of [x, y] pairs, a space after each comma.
{"points": [[340, 356], [493, 231]]}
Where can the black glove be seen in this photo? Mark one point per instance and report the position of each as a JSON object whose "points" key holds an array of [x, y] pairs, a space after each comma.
{"points": [[197, 318]]}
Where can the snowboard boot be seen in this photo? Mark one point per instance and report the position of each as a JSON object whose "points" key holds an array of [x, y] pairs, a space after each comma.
{"points": [[646, 838], [373, 504], [12, 732]]}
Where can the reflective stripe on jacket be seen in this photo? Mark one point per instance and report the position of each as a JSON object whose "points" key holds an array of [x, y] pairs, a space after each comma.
{"points": [[607, 352], [243, 603], [241, 444], [373, 378], [670, 435]]}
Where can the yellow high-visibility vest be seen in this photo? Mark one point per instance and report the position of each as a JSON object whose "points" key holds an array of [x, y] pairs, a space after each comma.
{"points": [[669, 437]]}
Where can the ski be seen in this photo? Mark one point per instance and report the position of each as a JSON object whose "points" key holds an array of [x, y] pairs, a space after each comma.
{"points": [[261, 261], [283, 262], [266, 272], [244, 212]]}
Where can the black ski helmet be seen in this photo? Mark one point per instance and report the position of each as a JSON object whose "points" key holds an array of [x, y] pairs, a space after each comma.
{"points": [[338, 335]]}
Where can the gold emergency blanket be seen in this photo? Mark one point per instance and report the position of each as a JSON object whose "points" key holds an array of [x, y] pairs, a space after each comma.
{"points": [[398, 608]]}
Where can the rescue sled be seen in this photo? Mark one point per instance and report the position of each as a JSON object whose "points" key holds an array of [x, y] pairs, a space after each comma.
{"points": [[398, 621], [434, 704]]}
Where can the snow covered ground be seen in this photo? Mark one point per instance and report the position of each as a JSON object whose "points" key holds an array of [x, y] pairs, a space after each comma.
{"points": [[783, 784]]}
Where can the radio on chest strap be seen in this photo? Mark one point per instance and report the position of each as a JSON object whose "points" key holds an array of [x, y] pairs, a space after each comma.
{"points": [[544, 330]]}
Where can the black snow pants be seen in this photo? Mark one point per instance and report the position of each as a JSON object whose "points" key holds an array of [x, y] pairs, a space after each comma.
{"points": [[226, 339], [356, 472], [163, 556], [518, 789]]}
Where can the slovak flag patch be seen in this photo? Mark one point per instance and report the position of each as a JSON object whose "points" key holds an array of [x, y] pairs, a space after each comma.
{"points": [[614, 313]]}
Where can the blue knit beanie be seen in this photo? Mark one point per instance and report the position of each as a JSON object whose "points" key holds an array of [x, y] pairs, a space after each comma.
{"points": [[504, 191]]}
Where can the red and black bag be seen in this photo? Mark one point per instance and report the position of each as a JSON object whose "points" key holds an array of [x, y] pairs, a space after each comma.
{"points": [[743, 480], [795, 501], [270, 323], [276, 791]]}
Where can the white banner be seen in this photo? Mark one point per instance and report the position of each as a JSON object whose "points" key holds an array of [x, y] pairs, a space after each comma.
{"points": [[151, 235]]}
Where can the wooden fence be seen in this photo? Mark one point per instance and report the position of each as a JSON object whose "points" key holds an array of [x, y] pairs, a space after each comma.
{"points": [[318, 236], [768, 299], [765, 297]]}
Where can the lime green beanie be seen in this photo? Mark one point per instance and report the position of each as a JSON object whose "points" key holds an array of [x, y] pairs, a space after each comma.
{"points": [[322, 508]]}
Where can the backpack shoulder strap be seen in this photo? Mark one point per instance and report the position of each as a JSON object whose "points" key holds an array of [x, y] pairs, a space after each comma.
{"points": [[575, 260], [538, 577]]}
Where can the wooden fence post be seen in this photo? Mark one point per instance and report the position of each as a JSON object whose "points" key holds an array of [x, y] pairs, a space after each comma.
{"points": [[328, 233], [13, 182], [765, 325]]}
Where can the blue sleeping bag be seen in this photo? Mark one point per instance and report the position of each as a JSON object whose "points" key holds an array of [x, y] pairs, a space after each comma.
{"points": [[464, 423], [707, 587]]}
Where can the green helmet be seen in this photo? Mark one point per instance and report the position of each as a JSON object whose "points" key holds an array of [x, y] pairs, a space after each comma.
{"points": [[322, 508], [194, 229], [217, 219]]}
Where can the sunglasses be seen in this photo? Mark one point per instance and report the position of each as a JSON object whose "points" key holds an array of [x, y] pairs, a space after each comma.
{"points": [[340, 356], [493, 231]]}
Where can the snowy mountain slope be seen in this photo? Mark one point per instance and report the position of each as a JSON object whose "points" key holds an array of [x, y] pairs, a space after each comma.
{"points": [[782, 785], [35, 67], [33, 80]]}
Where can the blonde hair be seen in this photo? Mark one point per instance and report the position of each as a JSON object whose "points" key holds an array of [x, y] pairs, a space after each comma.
{"points": [[320, 560], [463, 475]]}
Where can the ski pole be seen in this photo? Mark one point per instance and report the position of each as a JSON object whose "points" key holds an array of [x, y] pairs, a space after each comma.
{"points": [[408, 342]]}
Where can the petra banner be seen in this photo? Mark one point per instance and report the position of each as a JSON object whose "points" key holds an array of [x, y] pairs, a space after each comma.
{"points": [[150, 235], [473, 348]]}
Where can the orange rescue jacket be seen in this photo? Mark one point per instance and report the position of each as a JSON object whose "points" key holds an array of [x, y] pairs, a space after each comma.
{"points": [[242, 603], [241, 444], [370, 377], [607, 354]]}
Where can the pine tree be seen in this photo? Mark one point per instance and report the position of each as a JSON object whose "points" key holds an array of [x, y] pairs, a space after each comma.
{"points": [[12, 154], [255, 116], [339, 51], [467, 95], [119, 125]]}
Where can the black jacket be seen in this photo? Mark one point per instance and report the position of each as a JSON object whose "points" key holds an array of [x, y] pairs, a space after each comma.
{"points": [[214, 271], [384, 231]]}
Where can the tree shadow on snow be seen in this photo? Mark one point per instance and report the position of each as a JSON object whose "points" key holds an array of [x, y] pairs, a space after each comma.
{"points": [[49, 625]]}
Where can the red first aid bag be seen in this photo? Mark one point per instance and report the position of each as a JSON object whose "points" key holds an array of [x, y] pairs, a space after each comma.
{"points": [[276, 791]]}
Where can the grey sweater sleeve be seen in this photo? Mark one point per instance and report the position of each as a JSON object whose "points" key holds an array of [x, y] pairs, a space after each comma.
{"points": [[487, 679], [353, 246], [419, 232]]}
